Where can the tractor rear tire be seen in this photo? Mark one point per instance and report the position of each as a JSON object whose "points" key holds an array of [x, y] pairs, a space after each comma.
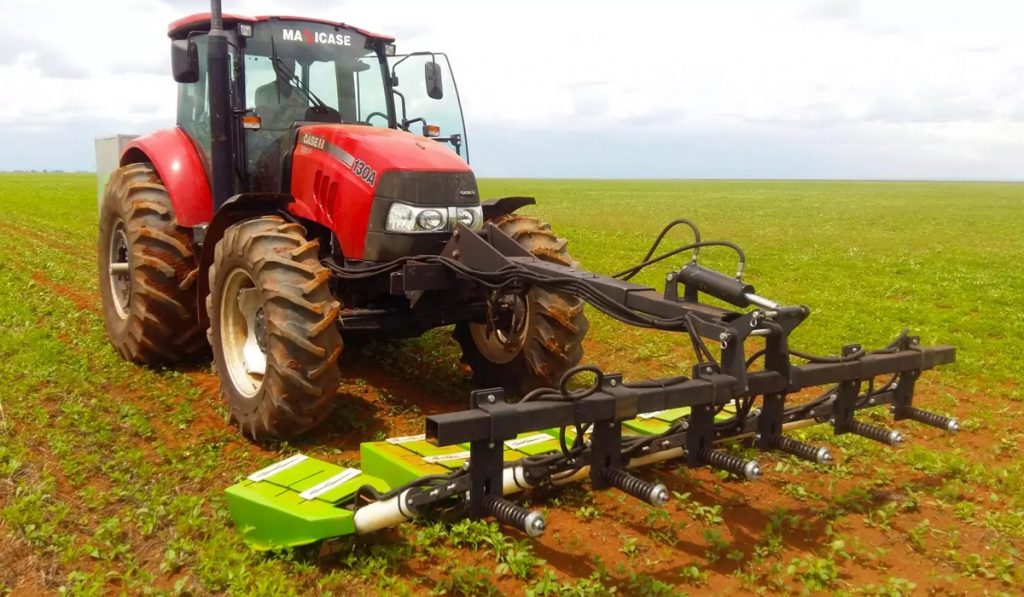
{"points": [[147, 271], [272, 328], [550, 339]]}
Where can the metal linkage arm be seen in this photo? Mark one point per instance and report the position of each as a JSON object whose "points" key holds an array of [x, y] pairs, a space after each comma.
{"points": [[491, 255]]}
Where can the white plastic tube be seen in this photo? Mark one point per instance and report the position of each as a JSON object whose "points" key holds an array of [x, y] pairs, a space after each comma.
{"points": [[383, 514], [513, 480]]}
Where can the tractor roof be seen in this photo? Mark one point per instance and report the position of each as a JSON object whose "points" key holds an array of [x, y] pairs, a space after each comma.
{"points": [[201, 22]]}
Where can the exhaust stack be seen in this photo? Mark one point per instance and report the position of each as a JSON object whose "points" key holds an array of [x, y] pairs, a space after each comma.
{"points": [[223, 178]]}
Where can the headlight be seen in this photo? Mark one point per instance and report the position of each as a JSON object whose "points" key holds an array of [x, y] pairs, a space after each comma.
{"points": [[430, 219], [470, 217], [407, 218], [401, 218]]}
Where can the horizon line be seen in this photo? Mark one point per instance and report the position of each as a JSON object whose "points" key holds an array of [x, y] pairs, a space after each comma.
{"points": [[657, 178]]}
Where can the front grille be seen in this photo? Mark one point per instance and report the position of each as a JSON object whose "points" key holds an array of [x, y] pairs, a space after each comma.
{"points": [[429, 188]]}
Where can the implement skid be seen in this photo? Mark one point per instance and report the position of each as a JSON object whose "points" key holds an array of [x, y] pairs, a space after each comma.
{"points": [[471, 460]]}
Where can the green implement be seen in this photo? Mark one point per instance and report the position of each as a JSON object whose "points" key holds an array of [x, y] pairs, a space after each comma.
{"points": [[301, 500], [296, 502]]}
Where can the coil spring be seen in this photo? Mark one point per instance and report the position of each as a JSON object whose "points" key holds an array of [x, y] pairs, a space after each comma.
{"points": [[741, 467], [801, 450], [531, 523], [879, 434], [928, 418], [652, 493]]}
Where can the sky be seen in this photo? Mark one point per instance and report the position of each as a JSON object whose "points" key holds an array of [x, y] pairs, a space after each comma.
{"points": [[876, 89]]}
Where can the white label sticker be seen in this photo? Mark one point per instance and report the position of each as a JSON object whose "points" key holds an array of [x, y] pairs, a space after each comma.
{"points": [[650, 415], [325, 486], [446, 457], [406, 439], [529, 440], [277, 467]]}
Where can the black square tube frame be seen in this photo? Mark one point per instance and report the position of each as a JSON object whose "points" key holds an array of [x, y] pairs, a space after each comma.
{"points": [[491, 421], [494, 421]]}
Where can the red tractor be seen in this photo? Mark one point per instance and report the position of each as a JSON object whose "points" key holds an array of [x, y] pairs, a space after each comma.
{"points": [[284, 211], [294, 206]]}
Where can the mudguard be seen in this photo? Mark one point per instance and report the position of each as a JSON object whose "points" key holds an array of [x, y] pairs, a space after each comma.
{"points": [[177, 162], [495, 208]]}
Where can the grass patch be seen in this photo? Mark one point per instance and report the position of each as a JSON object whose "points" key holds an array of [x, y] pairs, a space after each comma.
{"points": [[111, 474]]}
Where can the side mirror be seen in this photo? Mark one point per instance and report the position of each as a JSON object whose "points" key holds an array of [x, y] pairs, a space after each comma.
{"points": [[432, 75], [184, 61]]}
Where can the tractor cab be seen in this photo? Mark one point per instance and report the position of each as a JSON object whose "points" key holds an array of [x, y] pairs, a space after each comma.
{"points": [[286, 73]]}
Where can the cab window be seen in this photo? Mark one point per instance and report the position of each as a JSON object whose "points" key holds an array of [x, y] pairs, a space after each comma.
{"points": [[194, 102]]}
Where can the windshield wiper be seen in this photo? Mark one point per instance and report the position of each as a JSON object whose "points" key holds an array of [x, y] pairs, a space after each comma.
{"points": [[282, 70]]}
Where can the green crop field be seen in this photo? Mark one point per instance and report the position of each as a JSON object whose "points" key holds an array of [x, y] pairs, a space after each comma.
{"points": [[111, 475]]}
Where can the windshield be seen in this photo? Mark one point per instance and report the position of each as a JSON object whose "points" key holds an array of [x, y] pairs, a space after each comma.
{"points": [[299, 71], [292, 66]]}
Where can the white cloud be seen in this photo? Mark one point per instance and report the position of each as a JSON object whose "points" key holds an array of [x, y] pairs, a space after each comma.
{"points": [[933, 89]]}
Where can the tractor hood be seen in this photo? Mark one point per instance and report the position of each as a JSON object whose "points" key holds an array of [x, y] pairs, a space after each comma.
{"points": [[373, 151], [348, 176]]}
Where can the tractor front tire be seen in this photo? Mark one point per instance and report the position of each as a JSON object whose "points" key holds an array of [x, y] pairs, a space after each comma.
{"points": [[544, 336], [147, 271], [272, 328]]}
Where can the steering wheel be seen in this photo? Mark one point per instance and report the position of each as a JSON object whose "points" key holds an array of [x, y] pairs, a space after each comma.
{"points": [[372, 114]]}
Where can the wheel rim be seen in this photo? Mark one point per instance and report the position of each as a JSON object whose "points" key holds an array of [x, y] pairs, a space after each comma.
{"points": [[243, 333], [119, 270], [503, 336]]}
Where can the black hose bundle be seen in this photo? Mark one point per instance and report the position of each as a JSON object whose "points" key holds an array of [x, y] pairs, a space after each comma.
{"points": [[370, 491]]}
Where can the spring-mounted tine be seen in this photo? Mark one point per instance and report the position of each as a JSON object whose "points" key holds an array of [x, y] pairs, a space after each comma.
{"points": [[741, 467], [928, 418], [804, 451], [654, 494], [882, 435], [530, 522]]}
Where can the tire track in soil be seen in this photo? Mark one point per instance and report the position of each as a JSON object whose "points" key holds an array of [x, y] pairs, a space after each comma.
{"points": [[72, 250], [83, 301]]}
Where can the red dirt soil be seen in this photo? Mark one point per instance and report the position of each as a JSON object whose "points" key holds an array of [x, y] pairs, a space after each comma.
{"points": [[374, 401]]}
